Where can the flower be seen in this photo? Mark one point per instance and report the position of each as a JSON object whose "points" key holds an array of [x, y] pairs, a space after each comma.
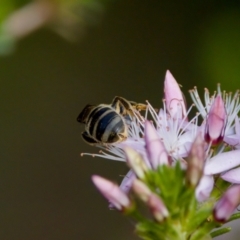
{"points": [[171, 135], [179, 166], [226, 114], [222, 128]]}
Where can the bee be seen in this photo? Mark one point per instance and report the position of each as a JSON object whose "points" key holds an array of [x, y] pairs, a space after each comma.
{"points": [[107, 123]]}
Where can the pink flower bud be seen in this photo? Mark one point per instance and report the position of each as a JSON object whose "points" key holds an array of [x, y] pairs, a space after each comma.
{"points": [[196, 160], [156, 152], [136, 162], [175, 101], [216, 121], [227, 204], [157, 207], [112, 192], [141, 190]]}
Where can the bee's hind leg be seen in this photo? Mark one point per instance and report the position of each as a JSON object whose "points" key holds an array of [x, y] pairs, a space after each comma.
{"points": [[121, 105], [88, 139], [124, 107]]}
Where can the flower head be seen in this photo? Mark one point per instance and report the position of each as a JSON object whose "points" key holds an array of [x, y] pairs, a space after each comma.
{"points": [[179, 166]]}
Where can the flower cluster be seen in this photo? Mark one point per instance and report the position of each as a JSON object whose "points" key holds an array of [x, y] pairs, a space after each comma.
{"points": [[185, 170]]}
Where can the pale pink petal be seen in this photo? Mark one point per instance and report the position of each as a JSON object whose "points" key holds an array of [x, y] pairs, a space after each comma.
{"points": [[232, 140], [156, 152], [185, 143], [232, 176], [204, 188], [174, 98], [222, 162], [126, 183]]}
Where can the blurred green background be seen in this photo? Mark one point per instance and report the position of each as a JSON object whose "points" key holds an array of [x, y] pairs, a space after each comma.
{"points": [[45, 186]]}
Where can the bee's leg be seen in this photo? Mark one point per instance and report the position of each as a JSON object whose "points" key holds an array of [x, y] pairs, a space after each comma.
{"points": [[88, 139], [128, 105], [138, 106], [125, 107], [121, 105]]}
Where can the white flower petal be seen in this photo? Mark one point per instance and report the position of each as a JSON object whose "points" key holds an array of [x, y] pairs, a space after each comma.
{"points": [[204, 188], [222, 162], [232, 140], [232, 176]]}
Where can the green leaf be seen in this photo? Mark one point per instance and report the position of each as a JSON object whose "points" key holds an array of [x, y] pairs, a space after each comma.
{"points": [[220, 232], [234, 217], [197, 219]]}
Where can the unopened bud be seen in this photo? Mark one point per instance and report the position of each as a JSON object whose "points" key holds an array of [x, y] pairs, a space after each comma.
{"points": [[136, 162], [141, 190], [227, 204], [196, 161], [157, 207], [112, 193], [216, 122], [156, 152], [175, 101]]}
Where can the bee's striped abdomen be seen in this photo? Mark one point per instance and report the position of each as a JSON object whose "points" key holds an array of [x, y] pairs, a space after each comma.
{"points": [[109, 126], [95, 117], [104, 124], [117, 126]]}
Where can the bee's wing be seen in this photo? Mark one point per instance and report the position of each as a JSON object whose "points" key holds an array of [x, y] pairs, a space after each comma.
{"points": [[83, 116]]}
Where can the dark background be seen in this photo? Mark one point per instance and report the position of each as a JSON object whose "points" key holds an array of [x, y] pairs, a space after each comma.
{"points": [[45, 186]]}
